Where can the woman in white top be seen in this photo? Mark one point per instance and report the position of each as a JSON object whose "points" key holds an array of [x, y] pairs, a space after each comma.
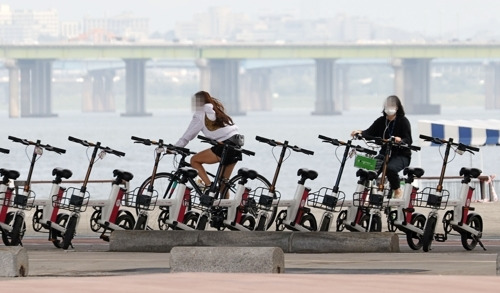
{"points": [[211, 119]]}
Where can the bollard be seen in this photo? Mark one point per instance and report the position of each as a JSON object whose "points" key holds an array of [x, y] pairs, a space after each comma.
{"points": [[498, 264], [13, 261]]}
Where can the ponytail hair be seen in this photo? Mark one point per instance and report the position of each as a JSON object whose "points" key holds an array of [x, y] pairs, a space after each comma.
{"points": [[221, 118]]}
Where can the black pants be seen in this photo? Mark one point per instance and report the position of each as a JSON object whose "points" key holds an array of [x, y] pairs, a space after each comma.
{"points": [[394, 166]]}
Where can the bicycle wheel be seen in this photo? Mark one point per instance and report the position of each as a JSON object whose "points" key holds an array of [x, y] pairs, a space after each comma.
{"points": [[202, 222], [35, 220], [280, 219], [18, 229], [325, 224], [162, 220], [308, 221], [340, 220], [125, 221], [474, 221], [376, 223], [428, 236], [447, 220], [13, 238], [70, 232], [191, 219], [391, 217], [259, 182], [414, 239], [165, 185], [141, 223], [94, 218], [248, 221], [55, 235]]}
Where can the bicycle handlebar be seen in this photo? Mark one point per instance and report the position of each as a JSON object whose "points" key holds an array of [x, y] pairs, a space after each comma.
{"points": [[337, 142], [112, 151], [5, 151], [91, 144], [146, 141], [273, 143], [183, 151], [80, 141], [460, 146], [383, 141], [47, 147], [208, 140]]}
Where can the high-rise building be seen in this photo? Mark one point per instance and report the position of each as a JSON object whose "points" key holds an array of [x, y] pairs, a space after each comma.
{"points": [[121, 27]]}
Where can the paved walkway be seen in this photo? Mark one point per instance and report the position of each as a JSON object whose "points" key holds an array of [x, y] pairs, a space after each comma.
{"points": [[90, 267]]}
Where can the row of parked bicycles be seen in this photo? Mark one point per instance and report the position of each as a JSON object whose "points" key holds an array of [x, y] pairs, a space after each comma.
{"points": [[246, 202]]}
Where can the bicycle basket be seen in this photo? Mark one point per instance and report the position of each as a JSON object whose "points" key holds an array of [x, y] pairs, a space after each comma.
{"points": [[202, 202], [326, 199], [262, 199], [23, 201], [138, 198], [364, 162], [430, 198], [73, 200], [370, 198]]}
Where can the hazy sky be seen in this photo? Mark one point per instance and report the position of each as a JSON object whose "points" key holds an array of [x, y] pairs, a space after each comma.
{"points": [[432, 17]]}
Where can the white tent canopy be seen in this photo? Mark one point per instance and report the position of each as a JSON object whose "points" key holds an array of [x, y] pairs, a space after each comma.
{"points": [[469, 132]]}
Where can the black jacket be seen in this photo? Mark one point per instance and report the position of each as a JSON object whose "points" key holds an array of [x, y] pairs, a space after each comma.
{"points": [[398, 127]]}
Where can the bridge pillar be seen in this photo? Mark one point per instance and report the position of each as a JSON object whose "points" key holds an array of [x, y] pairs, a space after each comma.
{"points": [[327, 88], [35, 90], [412, 86], [98, 91], [255, 91], [220, 77], [13, 92], [492, 85], [341, 96], [135, 90]]}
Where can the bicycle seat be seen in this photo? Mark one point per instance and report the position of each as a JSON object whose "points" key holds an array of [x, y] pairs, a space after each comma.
{"points": [[123, 175], [366, 174], [10, 174], [307, 174], [414, 172], [470, 172], [62, 173], [189, 172], [247, 173]]}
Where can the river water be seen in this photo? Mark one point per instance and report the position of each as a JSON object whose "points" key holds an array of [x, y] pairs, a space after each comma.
{"points": [[297, 126]]}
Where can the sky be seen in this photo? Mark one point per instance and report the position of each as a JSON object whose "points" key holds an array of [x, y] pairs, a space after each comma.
{"points": [[430, 17]]}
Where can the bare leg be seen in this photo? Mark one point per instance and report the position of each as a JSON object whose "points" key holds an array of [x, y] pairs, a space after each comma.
{"points": [[203, 157], [228, 169]]}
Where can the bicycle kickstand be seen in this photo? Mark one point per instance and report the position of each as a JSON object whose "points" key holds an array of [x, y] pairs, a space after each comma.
{"points": [[479, 241]]}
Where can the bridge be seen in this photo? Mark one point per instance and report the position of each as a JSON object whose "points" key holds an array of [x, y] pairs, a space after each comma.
{"points": [[30, 71]]}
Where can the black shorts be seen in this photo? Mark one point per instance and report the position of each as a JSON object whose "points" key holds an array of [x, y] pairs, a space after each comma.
{"points": [[232, 156]]}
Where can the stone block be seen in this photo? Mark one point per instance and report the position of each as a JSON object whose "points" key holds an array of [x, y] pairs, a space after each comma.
{"points": [[227, 259]]}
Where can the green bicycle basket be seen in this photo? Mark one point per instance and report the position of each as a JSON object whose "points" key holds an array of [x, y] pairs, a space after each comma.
{"points": [[366, 163]]}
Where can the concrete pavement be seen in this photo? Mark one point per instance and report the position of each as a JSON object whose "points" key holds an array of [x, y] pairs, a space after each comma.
{"points": [[447, 268]]}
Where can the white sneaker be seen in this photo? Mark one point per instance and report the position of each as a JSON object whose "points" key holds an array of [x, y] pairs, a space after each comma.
{"points": [[201, 184]]}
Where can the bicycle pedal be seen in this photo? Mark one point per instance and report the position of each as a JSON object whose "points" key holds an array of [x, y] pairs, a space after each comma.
{"points": [[105, 238], [440, 237]]}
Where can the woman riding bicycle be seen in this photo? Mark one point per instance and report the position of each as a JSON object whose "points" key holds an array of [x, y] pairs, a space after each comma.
{"points": [[392, 123], [210, 118]]}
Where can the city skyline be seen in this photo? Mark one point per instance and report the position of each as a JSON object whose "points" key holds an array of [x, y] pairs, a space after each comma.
{"points": [[459, 19]]}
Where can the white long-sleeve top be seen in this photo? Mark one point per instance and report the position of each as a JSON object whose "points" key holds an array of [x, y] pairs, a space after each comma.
{"points": [[198, 124]]}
